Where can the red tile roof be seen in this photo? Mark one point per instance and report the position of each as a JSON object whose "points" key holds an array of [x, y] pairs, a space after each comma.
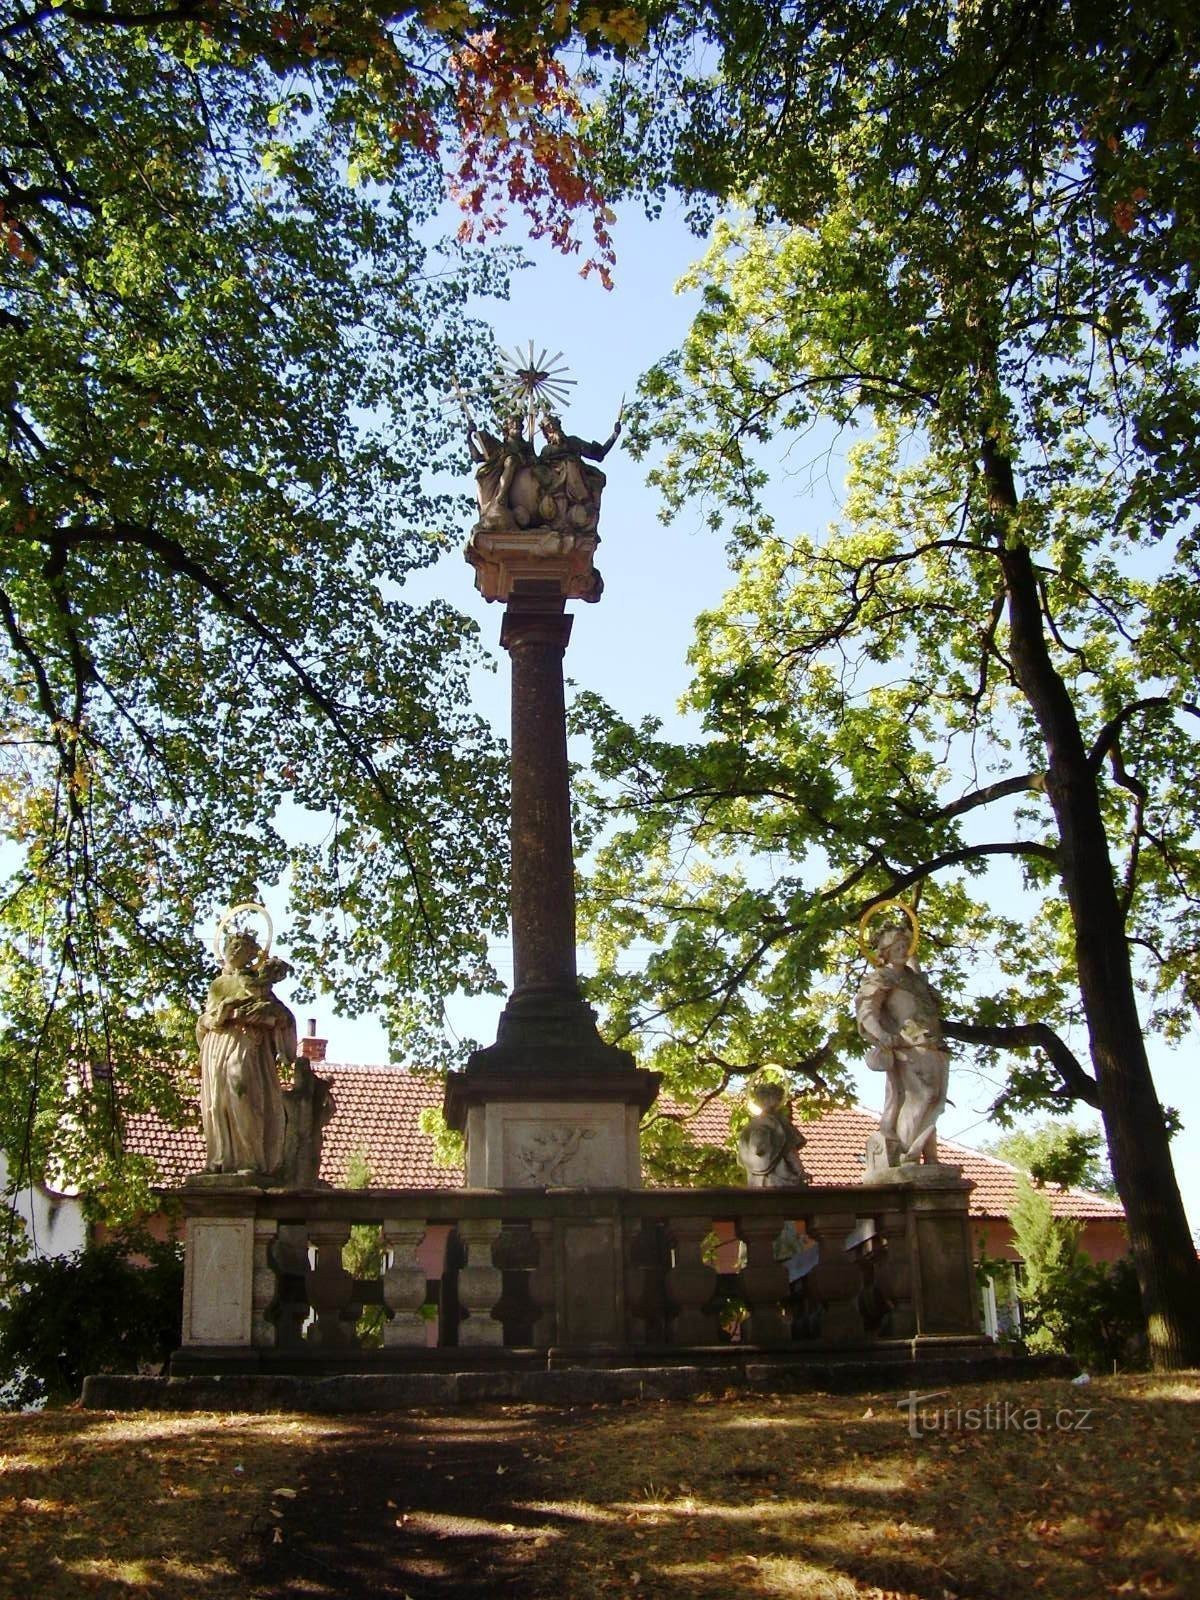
{"points": [[376, 1112], [833, 1154], [375, 1116]]}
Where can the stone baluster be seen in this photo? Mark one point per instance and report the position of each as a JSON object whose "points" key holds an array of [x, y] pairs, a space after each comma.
{"points": [[265, 1287], [542, 1285], [691, 1283], [647, 1262], [764, 1283], [330, 1287], [899, 1273], [516, 1254], [836, 1280], [874, 1299], [287, 1256], [480, 1284], [404, 1284]]}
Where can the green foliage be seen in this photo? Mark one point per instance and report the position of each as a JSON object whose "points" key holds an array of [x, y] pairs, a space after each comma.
{"points": [[62, 1317], [974, 232], [363, 1255], [1071, 1305], [673, 1158], [449, 1146], [229, 341], [1058, 1152], [358, 1171], [223, 376], [967, 232]]}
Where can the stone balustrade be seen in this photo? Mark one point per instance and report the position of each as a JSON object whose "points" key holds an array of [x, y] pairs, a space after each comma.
{"points": [[276, 1281]]}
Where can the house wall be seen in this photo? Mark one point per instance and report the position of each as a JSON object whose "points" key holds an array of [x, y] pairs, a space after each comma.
{"points": [[1102, 1238], [54, 1223]]}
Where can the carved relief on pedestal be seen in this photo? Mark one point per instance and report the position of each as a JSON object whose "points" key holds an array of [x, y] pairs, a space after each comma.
{"points": [[557, 1145], [553, 1156]]}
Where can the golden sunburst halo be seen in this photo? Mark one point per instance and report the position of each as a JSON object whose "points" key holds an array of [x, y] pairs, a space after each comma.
{"points": [[232, 916], [531, 380]]}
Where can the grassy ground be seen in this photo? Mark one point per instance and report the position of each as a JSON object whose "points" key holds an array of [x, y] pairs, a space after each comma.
{"points": [[1027, 1489]]}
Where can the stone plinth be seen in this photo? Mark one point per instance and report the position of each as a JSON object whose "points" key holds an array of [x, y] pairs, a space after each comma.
{"points": [[509, 561], [575, 1129], [918, 1174]]}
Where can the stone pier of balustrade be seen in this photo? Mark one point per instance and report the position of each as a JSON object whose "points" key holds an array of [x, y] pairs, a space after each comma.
{"points": [[456, 1277]]}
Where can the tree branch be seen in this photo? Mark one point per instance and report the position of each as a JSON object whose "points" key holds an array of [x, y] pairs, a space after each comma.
{"points": [[1032, 1036], [1026, 783], [950, 858], [179, 561], [1111, 730]]}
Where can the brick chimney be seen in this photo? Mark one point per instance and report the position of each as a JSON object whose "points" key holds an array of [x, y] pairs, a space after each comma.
{"points": [[312, 1048]]}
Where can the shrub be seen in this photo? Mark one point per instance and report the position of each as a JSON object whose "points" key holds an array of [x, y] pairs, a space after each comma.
{"points": [[1071, 1305], [62, 1317]]}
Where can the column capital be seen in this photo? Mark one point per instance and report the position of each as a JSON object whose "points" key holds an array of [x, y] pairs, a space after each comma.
{"points": [[535, 620]]}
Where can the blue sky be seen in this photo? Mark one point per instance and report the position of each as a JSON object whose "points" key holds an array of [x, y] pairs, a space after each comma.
{"points": [[632, 646]]}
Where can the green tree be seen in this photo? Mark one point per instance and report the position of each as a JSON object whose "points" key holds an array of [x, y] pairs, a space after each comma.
{"points": [[226, 344], [976, 230], [1058, 1152]]}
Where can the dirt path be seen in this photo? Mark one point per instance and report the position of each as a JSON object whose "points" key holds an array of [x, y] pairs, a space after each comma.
{"points": [[411, 1507]]}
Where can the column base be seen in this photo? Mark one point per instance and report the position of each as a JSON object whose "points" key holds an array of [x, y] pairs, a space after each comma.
{"points": [[548, 1031], [550, 1104]]}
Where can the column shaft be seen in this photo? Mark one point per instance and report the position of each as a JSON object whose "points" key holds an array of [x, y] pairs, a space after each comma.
{"points": [[535, 634]]}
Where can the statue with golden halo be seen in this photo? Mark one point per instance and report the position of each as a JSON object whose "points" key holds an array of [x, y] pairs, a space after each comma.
{"points": [[245, 1033], [898, 1012], [539, 511], [768, 1147]]}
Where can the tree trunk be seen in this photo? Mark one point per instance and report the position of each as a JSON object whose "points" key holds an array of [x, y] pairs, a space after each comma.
{"points": [[1164, 1255]]}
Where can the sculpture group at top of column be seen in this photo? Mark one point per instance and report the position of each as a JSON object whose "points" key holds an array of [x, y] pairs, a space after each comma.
{"points": [[539, 511], [520, 489]]}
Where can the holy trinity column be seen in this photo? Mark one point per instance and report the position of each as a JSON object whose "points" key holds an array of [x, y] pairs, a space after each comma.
{"points": [[550, 1103]]}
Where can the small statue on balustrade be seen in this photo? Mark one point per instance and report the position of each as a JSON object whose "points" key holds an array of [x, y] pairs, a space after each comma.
{"points": [[768, 1146], [255, 1130], [244, 1033]]}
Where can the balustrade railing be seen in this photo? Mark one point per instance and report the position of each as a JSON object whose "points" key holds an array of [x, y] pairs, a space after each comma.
{"points": [[363, 1279]]}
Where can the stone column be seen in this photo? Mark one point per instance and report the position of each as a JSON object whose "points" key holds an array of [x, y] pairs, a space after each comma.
{"points": [[535, 632], [550, 1103]]}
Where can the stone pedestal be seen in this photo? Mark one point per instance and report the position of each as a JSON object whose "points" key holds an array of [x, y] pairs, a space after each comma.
{"points": [[218, 1281], [940, 1259], [565, 1129]]}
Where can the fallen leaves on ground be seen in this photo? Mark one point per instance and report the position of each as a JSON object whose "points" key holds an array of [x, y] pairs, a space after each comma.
{"points": [[134, 1504], [829, 1497]]}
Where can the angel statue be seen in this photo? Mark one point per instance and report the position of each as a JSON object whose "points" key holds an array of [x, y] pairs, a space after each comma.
{"points": [[898, 1012]]}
